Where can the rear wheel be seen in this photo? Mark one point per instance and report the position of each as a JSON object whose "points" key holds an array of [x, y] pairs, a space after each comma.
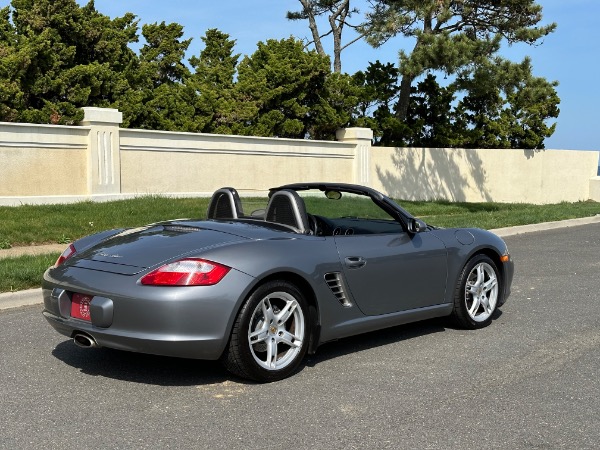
{"points": [[270, 334], [476, 293]]}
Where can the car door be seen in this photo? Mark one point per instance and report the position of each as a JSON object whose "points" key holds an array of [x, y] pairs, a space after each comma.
{"points": [[393, 272]]}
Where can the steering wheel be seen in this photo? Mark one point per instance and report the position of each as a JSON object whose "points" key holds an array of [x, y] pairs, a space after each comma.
{"points": [[313, 225], [323, 226]]}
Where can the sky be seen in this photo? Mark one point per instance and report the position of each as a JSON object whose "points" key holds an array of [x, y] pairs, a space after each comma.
{"points": [[570, 55]]}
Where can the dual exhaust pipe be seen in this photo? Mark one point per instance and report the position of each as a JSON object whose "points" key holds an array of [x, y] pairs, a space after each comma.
{"points": [[84, 341]]}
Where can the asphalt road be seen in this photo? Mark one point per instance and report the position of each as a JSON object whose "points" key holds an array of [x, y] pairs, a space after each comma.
{"points": [[530, 380]]}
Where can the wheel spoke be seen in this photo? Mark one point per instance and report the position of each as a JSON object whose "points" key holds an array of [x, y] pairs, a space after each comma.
{"points": [[267, 310], [474, 306], [286, 312], [260, 334], [480, 275], [271, 360], [490, 284], [288, 338], [485, 303], [472, 289]]}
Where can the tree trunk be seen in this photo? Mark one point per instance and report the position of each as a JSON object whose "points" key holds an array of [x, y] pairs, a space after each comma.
{"points": [[404, 99], [312, 25], [337, 48], [405, 84]]}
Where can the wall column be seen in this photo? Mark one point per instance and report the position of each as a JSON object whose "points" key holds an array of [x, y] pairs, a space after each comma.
{"points": [[362, 138], [104, 161], [595, 189]]}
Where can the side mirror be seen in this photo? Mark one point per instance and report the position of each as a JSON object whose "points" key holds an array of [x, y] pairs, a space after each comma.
{"points": [[416, 226]]}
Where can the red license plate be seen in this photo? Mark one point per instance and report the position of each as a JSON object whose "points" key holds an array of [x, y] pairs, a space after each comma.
{"points": [[80, 306]]}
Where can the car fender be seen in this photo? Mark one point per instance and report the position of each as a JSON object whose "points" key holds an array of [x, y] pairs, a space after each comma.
{"points": [[461, 249], [307, 257]]}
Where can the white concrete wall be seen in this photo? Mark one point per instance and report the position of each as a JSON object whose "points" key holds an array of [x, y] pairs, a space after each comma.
{"points": [[100, 161], [504, 175], [162, 162], [42, 160]]}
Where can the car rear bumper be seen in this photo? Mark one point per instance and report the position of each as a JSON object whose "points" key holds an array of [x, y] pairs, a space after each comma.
{"points": [[197, 347], [188, 322]]}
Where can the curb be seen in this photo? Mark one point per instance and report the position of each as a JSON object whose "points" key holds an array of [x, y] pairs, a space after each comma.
{"points": [[544, 226], [17, 299], [30, 297]]}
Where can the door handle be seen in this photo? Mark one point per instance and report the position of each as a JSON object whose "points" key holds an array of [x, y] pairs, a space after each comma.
{"points": [[355, 262]]}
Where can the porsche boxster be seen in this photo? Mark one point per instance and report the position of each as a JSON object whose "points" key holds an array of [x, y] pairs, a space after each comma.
{"points": [[259, 287]]}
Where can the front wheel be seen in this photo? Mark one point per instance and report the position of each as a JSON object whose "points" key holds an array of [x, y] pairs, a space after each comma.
{"points": [[476, 293], [270, 335]]}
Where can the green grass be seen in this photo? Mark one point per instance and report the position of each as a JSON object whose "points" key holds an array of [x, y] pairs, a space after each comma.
{"points": [[497, 215], [42, 224], [31, 225], [24, 272]]}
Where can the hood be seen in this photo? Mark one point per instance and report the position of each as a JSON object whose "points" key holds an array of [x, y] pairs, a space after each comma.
{"points": [[135, 250]]}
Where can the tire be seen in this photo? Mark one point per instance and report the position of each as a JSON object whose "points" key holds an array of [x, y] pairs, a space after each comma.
{"points": [[477, 293], [270, 335]]}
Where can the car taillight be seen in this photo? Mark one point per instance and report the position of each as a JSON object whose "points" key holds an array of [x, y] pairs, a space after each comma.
{"points": [[186, 272], [69, 251]]}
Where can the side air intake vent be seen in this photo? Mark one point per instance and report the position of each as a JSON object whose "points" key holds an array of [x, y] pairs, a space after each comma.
{"points": [[336, 284]]}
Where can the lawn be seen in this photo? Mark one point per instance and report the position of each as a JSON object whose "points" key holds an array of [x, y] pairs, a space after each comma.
{"points": [[24, 272], [42, 224], [34, 225]]}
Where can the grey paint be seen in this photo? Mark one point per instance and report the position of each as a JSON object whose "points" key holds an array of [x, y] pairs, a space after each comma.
{"points": [[405, 277], [398, 272]]}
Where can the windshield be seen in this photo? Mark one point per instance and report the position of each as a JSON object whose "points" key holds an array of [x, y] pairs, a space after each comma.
{"points": [[349, 205]]}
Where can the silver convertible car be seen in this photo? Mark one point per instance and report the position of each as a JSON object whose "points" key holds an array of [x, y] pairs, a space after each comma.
{"points": [[259, 289]]}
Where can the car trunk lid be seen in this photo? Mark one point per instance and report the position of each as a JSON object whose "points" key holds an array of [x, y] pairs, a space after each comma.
{"points": [[136, 250]]}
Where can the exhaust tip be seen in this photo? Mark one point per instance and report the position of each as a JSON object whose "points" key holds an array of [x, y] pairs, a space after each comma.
{"points": [[84, 341]]}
